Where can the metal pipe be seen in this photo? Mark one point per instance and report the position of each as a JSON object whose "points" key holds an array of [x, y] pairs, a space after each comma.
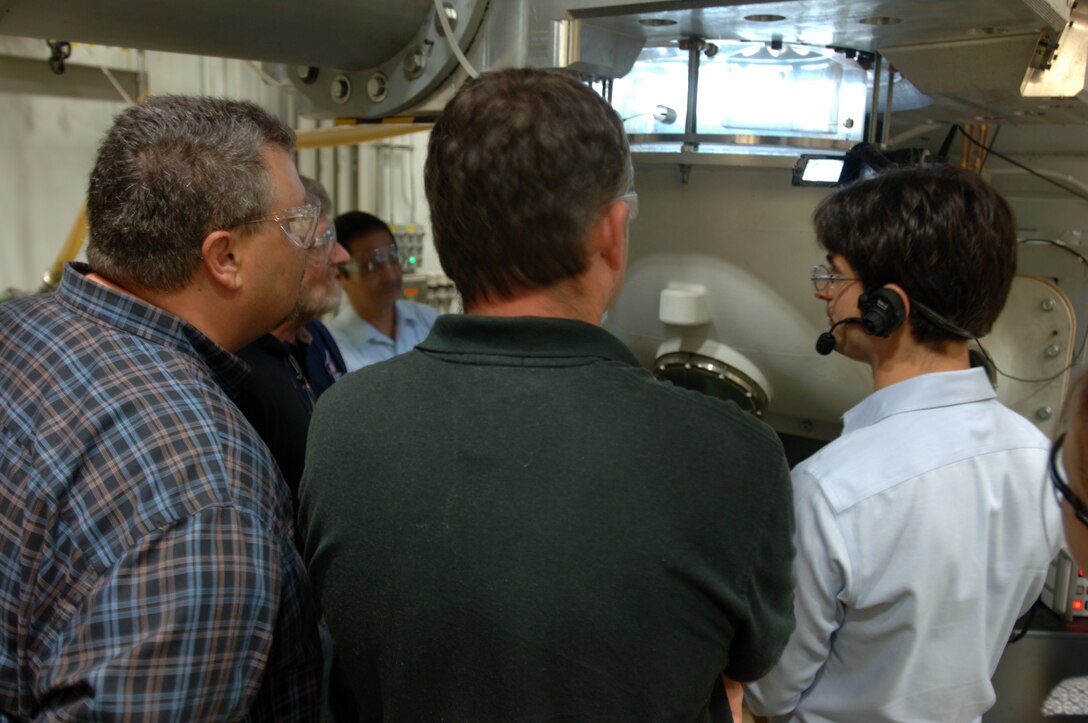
{"points": [[695, 46], [886, 133], [875, 99]]}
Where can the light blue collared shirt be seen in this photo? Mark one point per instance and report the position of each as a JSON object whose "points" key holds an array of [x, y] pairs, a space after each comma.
{"points": [[361, 344], [923, 532]]}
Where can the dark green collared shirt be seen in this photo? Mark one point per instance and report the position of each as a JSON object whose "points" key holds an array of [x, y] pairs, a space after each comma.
{"points": [[515, 521]]}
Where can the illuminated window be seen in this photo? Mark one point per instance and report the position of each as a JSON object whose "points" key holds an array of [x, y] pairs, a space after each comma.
{"points": [[747, 89]]}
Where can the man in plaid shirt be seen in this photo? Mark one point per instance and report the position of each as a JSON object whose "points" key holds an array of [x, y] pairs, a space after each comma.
{"points": [[147, 570]]}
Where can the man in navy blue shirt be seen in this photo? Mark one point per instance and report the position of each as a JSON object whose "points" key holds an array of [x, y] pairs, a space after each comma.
{"points": [[296, 361]]}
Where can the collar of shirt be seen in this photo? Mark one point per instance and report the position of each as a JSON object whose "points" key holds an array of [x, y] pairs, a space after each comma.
{"points": [[926, 391], [358, 330], [139, 318], [271, 345], [539, 337]]}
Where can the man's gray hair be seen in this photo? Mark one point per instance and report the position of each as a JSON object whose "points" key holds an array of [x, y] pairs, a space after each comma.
{"points": [[170, 171], [316, 193]]}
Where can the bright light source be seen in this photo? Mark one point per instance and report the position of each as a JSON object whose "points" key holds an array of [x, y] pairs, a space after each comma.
{"points": [[749, 89], [822, 170]]}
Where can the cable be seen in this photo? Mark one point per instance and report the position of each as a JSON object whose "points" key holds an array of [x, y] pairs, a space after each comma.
{"points": [[1078, 351], [1002, 372], [1037, 174], [440, 9], [1080, 347], [946, 144], [1025, 621], [1059, 244], [1055, 174]]}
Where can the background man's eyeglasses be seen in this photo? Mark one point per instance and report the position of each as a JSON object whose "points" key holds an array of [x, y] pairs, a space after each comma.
{"points": [[378, 258], [323, 245], [1057, 477], [297, 223], [822, 278]]}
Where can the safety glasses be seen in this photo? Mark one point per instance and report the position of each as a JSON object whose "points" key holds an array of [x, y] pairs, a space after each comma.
{"points": [[297, 223], [377, 259]]}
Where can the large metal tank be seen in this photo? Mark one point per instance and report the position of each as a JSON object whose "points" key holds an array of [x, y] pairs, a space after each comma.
{"points": [[347, 34]]}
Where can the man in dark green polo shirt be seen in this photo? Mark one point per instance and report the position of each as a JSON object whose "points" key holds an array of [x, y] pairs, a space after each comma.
{"points": [[515, 521]]}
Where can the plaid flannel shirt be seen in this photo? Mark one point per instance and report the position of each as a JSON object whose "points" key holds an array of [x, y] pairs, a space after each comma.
{"points": [[146, 564]]}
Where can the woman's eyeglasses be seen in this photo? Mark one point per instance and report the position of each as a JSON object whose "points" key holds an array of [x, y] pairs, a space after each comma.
{"points": [[822, 278]]}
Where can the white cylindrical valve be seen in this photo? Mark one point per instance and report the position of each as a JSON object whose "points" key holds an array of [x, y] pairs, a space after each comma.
{"points": [[684, 304]]}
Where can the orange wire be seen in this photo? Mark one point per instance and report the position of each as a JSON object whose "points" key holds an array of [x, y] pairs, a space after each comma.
{"points": [[983, 143]]}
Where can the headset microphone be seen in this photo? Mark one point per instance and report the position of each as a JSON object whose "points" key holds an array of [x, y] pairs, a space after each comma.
{"points": [[825, 343]]}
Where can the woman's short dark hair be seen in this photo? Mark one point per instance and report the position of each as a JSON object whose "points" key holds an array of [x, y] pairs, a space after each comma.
{"points": [[519, 164], [942, 233], [170, 171]]}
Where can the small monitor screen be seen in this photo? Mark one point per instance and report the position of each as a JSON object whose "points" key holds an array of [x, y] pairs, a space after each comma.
{"points": [[818, 170], [822, 170]]}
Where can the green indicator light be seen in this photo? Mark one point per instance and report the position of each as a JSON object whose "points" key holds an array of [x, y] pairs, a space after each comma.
{"points": [[411, 259]]}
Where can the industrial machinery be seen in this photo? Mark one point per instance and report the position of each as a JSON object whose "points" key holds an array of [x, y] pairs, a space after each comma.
{"points": [[720, 98], [1005, 60]]}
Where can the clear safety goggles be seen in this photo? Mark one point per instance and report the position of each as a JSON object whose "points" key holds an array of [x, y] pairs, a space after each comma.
{"points": [[297, 223], [377, 259]]}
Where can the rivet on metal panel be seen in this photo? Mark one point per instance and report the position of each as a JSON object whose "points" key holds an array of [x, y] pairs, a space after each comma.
{"points": [[377, 87], [340, 89], [415, 63], [1048, 304], [1053, 350], [1044, 413], [307, 73]]}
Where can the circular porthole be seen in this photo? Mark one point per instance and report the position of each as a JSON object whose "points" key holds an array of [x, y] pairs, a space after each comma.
{"points": [[715, 377]]}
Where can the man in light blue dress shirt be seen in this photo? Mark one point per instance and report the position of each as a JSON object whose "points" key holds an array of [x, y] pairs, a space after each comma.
{"points": [[926, 529], [376, 324]]}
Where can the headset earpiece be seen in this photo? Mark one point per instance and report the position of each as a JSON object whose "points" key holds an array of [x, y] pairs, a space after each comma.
{"points": [[882, 311]]}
